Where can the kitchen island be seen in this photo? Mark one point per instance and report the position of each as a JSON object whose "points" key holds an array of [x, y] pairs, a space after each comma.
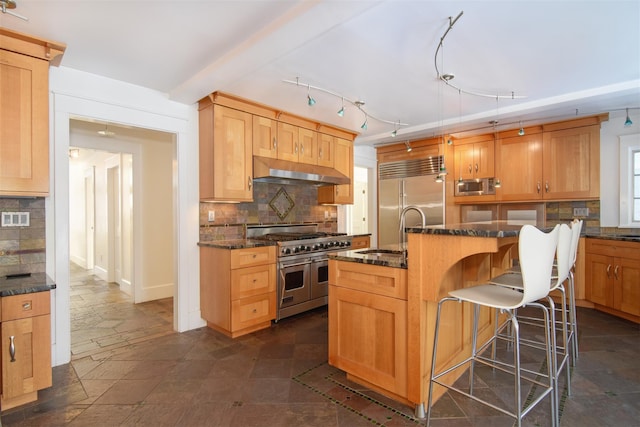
{"points": [[382, 317]]}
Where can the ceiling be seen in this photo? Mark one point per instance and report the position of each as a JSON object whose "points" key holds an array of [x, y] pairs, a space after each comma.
{"points": [[565, 58]]}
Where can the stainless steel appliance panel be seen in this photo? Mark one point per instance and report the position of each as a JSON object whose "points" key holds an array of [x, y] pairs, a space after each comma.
{"points": [[397, 193]]}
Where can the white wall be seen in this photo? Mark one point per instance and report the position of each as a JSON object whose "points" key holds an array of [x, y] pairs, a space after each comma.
{"points": [[76, 94], [610, 132]]}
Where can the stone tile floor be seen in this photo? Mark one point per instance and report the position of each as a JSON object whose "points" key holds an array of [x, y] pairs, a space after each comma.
{"points": [[129, 369]]}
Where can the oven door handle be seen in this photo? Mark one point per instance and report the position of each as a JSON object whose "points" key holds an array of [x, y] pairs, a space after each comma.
{"points": [[297, 264]]}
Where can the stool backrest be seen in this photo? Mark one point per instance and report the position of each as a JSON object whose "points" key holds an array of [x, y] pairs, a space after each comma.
{"points": [[537, 250], [576, 228], [564, 255]]}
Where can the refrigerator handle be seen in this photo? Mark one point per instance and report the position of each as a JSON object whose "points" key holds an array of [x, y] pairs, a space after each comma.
{"points": [[401, 195]]}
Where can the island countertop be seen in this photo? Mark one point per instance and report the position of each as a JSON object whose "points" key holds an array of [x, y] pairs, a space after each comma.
{"points": [[479, 229], [25, 284], [381, 257]]}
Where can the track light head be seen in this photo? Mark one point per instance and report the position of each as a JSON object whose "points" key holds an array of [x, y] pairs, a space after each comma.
{"points": [[341, 112], [364, 125], [628, 121], [406, 144]]}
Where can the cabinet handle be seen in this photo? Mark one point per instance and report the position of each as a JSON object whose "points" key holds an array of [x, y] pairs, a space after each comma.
{"points": [[615, 272], [609, 271], [546, 186], [320, 153], [301, 148], [470, 169], [538, 187], [295, 149], [275, 143], [249, 182], [476, 167], [12, 348], [26, 306]]}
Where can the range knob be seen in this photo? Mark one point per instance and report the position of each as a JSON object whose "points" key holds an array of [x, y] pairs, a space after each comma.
{"points": [[286, 251], [307, 248]]}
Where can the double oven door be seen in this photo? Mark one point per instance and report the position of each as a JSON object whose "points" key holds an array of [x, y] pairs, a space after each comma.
{"points": [[302, 280]]}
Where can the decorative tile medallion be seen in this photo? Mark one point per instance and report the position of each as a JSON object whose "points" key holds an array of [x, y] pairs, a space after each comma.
{"points": [[282, 203]]}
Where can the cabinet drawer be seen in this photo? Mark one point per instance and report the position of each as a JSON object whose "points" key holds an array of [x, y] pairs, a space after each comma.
{"points": [[250, 281], [250, 311], [25, 305], [616, 248], [374, 279], [253, 256]]}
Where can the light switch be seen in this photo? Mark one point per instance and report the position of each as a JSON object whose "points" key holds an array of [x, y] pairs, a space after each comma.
{"points": [[212, 216], [581, 212]]}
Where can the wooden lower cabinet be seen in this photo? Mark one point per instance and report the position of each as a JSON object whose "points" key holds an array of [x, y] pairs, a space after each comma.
{"points": [[613, 277], [26, 348], [368, 325], [238, 288], [360, 242]]}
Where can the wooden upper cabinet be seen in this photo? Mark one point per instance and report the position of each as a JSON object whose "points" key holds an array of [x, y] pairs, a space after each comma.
{"points": [[474, 160], [24, 125], [308, 146], [287, 142], [265, 133], [226, 155], [571, 163], [519, 160], [326, 148], [343, 163]]}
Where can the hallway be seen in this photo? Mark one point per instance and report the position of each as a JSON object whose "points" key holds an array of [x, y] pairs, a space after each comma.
{"points": [[129, 368]]}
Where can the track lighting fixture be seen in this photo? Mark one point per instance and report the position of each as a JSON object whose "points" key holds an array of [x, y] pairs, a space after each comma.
{"points": [[106, 132], [406, 144], [74, 153], [341, 110], [628, 121], [395, 130], [440, 178], [497, 183], [448, 77], [521, 131], [356, 103], [310, 99]]}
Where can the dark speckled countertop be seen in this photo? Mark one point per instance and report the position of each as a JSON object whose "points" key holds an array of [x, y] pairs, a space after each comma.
{"points": [[36, 282], [484, 229], [613, 236], [381, 257], [237, 243]]}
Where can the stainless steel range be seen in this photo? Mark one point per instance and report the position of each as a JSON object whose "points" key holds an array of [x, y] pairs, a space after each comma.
{"points": [[303, 271]]}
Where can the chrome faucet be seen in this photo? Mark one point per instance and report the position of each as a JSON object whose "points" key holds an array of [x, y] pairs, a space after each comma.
{"points": [[403, 214]]}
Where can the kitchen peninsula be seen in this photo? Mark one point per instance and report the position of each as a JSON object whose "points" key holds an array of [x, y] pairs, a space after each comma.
{"points": [[382, 309]]}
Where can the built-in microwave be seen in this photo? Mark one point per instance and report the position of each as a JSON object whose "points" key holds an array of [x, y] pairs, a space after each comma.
{"points": [[475, 187]]}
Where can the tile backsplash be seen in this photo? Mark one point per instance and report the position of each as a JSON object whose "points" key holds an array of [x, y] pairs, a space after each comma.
{"points": [[22, 249], [564, 211], [231, 218]]}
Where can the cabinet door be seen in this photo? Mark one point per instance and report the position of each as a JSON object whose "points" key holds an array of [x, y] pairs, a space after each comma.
{"points": [[599, 272], [463, 161], [24, 125], [29, 369], [483, 156], [368, 337], [519, 167], [344, 164], [626, 291], [264, 137], [287, 142], [308, 146], [326, 147], [571, 163], [232, 154]]}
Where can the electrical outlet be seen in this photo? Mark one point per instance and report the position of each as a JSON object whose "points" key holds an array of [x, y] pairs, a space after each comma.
{"points": [[15, 219], [212, 216], [326, 214], [581, 212]]}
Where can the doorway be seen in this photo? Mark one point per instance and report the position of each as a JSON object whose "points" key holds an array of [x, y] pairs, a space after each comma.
{"points": [[122, 264]]}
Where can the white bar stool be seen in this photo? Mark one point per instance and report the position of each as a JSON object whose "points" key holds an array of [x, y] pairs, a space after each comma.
{"points": [[537, 250]]}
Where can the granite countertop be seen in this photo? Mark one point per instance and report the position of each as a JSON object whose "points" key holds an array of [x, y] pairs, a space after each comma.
{"points": [[237, 243], [612, 236], [36, 282], [381, 257], [484, 229]]}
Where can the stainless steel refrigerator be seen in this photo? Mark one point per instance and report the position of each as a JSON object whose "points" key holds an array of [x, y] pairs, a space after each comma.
{"points": [[407, 183]]}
